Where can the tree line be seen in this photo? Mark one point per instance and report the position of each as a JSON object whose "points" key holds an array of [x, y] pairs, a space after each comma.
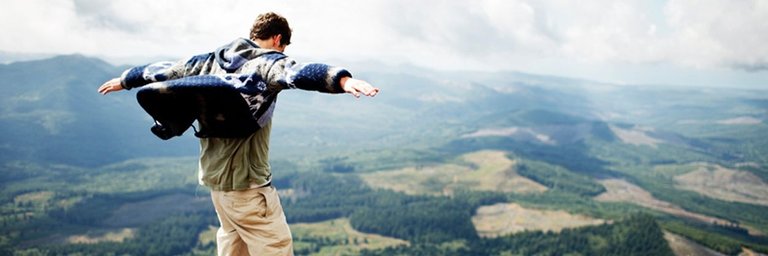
{"points": [[636, 235]]}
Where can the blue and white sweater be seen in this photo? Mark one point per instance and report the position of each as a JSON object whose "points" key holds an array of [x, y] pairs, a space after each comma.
{"points": [[258, 74]]}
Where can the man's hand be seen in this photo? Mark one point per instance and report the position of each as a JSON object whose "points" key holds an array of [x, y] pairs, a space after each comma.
{"points": [[357, 87], [112, 85]]}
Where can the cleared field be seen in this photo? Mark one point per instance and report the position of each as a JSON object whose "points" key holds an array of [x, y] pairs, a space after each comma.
{"points": [[484, 171], [206, 242], [34, 197], [119, 235], [508, 218], [635, 136], [208, 236], [618, 190], [684, 247], [345, 239], [726, 184], [520, 133]]}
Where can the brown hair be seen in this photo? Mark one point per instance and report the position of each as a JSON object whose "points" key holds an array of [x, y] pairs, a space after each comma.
{"points": [[271, 24]]}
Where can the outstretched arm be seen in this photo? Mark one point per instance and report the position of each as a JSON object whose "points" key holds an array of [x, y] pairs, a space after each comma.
{"points": [[157, 72], [318, 77]]}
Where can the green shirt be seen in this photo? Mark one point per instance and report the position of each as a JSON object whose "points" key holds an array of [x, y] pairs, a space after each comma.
{"points": [[228, 164]]}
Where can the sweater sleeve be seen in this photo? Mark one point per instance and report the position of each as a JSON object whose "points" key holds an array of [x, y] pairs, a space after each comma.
{"points": [[251, 84], [165, 70], [308, 76]]}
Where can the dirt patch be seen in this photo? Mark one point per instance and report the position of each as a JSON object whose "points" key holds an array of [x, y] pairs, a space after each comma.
{"points": [[509, 218], [526, 134], [37, 197], [726, 184], [684, 247], [622, 191], [500, 132], [103, 236], [618, 190], [486, 171], [635, 136], [748, 252], [206, 241], [347, 240]]}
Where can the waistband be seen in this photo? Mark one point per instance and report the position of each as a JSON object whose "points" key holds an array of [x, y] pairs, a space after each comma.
{"points": [[254, 185]]}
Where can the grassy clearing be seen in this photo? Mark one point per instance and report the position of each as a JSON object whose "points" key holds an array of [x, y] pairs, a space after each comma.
{"points": [[683, 247], [635, 136], [118, 235], [337, 237], [509, 218], [623, 191], [726, 184], [480, 171], [34, 197], [206, 242], [208, 236]]}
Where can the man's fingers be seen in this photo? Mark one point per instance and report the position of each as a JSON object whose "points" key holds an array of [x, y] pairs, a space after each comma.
{"points": [[104, 89], [366, 89], [110, 86], [352, 89], [374, 92], [370, 91]]}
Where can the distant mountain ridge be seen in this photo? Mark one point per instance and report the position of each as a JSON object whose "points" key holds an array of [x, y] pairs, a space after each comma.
{"points": [[10, 57], [51, 112]]}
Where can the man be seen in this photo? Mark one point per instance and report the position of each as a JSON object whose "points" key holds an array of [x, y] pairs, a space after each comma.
{"points": [[236, 169]]}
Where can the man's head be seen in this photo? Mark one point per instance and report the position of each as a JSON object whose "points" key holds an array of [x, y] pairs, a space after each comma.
{"points": [[271, 31]]}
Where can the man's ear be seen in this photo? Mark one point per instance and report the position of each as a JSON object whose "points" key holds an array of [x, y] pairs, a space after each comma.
{"points": [[277, 39]]}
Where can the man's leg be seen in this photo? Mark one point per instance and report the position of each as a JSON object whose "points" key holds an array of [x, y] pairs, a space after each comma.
{"points": [[228, 241], [258, 218]]}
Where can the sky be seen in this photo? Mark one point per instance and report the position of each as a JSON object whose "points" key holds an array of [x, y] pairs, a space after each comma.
{"points": [[668, 42]]}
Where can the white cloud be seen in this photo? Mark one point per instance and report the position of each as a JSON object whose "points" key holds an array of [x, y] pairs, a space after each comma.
{"points": [[482, 34], [731, 33]]}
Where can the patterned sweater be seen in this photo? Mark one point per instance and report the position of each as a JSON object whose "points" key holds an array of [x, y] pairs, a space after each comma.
{"points": [[258, 74]]}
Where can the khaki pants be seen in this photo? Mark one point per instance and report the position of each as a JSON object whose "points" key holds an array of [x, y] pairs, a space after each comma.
{"points": [[252, 223]]}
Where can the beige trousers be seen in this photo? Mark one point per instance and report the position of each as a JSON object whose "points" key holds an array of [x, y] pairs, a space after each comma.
{"points": [[252, 223]]}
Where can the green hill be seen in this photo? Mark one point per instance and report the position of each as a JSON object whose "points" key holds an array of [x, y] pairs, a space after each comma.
{"points": [[51, 113]]}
